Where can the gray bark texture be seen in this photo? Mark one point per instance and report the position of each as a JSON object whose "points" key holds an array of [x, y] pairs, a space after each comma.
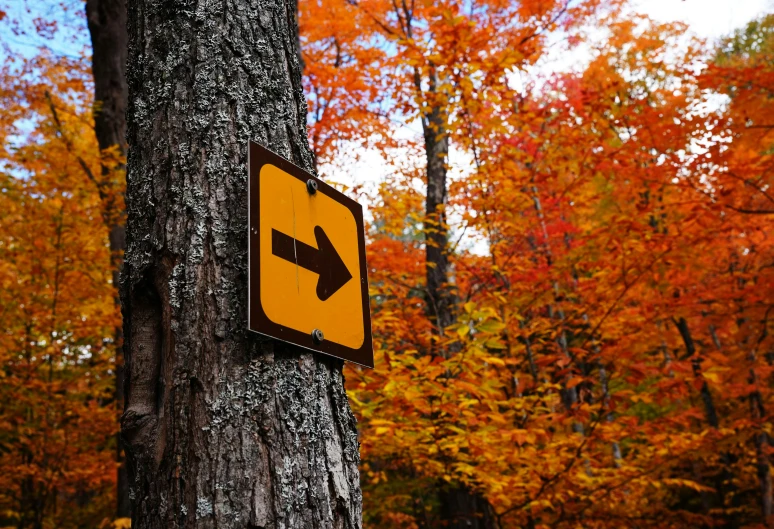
{"points": [[222, 428], [106, 20]]}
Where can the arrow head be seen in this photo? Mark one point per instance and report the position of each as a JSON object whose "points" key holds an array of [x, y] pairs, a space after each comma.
{"points": [[333, 272]]}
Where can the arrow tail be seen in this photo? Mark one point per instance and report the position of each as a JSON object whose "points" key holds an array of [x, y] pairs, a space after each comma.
{"points": [[294, 251]]}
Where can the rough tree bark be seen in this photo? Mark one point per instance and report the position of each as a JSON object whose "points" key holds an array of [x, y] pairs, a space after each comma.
{"points": [[107, 26], [222, 428]]}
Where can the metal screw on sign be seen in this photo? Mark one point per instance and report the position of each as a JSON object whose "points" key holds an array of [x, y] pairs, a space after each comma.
{"points": [[317, 336], [311, 186]]}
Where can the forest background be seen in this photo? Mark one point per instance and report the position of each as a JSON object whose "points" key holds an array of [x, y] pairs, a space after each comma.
{"points": [[570, 256]]}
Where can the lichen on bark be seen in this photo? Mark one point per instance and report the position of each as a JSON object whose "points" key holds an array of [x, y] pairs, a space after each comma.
{"points": [[223, 428]]}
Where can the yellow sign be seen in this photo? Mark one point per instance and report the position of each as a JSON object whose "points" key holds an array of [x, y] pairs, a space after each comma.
{"points": [[307, 271]]}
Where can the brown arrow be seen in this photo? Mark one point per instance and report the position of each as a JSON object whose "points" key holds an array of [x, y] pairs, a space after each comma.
{"points": [[323, 260]]}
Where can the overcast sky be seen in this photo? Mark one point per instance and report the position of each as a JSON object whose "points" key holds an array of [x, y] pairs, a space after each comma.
{"points": [[707, 18]]}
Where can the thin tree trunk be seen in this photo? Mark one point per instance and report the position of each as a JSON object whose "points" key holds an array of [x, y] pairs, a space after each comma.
{"points": [[710, 412], [724, 483], [222, 428], [761, 438], [107, 26], [460, 507], [763, 465], [442, 298], [569, 395]]}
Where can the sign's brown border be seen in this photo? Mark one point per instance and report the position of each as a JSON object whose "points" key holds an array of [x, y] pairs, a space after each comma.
{"points": [[257, 321]]}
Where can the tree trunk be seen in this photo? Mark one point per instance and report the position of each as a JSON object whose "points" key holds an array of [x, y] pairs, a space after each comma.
{"points": [[723, 483], [710, 412], [222, 428], [441, 298], [107, 26], [759, 415], [460, 508]]}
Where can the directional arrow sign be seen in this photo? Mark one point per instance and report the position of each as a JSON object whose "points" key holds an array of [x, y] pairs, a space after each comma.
{"points": [[307, 269], [323, 260]]}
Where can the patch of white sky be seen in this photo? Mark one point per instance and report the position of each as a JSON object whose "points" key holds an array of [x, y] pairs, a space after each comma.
{"points": [[706, 19]]}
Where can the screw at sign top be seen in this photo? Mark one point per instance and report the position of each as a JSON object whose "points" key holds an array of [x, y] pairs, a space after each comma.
{"points": [[311, 186], [317, 336]]}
